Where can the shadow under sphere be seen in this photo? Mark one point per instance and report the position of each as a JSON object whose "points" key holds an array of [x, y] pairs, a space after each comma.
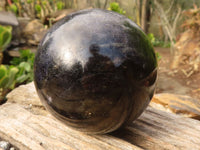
{"points": [[95, 70]]}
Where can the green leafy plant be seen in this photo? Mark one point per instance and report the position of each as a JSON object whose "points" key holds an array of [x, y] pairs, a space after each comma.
{"points": [[151, 38], [116, 8], [5, 36], [13, 8], [8, 76], [29, 1], [20, 71], [25, 65], [153, 41], [36, 8], [158, 43], [158, 56], [60, 5]]}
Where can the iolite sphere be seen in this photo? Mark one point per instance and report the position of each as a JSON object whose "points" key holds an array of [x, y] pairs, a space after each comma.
{"points": [[95, 70]]}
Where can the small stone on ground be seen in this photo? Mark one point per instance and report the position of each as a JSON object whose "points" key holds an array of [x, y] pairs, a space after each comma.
{"points": [[5, 145]]}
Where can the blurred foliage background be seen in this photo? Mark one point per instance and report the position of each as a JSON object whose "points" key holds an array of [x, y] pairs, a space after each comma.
{"points": [[161, 18]]}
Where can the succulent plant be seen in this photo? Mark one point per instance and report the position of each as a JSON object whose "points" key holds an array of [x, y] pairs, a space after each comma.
{"points": [[7, 79], [5, 36]]}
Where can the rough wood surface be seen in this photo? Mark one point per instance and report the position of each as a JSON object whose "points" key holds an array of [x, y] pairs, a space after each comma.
{"points": [[153, 130], [178, 104]]}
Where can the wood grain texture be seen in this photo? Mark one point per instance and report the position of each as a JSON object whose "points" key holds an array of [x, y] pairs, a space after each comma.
{"points": [[153, 130], [178, 104]]}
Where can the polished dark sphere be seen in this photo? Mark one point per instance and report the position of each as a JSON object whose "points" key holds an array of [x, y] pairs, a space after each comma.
{"points": [[95, 70]]}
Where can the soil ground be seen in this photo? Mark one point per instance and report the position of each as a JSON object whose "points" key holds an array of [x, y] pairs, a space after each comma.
{"points": [[174, 80]]}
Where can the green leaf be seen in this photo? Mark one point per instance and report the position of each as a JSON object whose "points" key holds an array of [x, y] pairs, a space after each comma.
{"points": [[1, 39], [25, 53], [29, 1], [13, 8], [1, 29], [15, 1], [3, 71], [116, 8], [12, 74], [5, 36], [12, 86], [60, 5], [25, 65], [22, 78], [158, 56], [4, 81], [15, 61], [38, 8], [151, 38], [21, 71], [8, 28]]}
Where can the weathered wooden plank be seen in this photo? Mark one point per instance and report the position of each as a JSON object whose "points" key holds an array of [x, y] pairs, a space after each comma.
{"points": [[28, 131], [178, 104], [158, 130], [153, 130], [26, 124]]}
